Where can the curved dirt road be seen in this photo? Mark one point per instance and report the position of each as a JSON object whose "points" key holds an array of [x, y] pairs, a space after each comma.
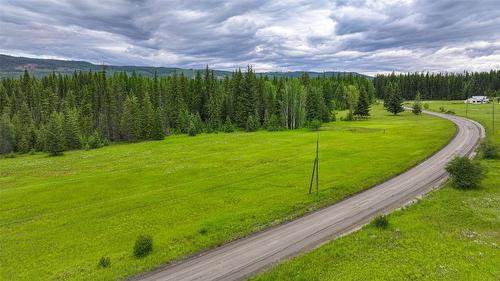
{"points": [[243, 257]]}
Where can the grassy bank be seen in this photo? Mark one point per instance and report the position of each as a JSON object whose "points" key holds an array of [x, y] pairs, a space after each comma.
{"points": [[450, 235], [60, 215]]}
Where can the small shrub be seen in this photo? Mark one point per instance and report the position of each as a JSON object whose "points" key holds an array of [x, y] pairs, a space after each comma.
{"points": [[381, 222], [32, 152], [10, 155], [314, 124], [273, 123], [442, 109], [450, 112], [143, 246], [426, 106], [228, 126], [104, 262], [349, 116], [488, 150], [464, 173], [252, 124], [192, 131]]}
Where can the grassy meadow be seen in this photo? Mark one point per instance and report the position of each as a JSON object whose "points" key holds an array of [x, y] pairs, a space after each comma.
{"points": [[60, 215], [450, 235]]}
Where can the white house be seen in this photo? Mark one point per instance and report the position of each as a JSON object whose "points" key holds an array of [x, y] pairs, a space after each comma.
{"points": [[477, 99]]}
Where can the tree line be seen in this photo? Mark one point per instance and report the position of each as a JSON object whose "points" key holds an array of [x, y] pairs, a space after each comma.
{"points": [[439, 86], [91, 109]]}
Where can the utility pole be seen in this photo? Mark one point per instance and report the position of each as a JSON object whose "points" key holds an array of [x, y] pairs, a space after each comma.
{"points": [[316, 166], [493, 115], [466, 107]]}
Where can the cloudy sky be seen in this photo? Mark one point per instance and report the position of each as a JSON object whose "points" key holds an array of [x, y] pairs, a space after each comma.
{"points": [[367, 36]]}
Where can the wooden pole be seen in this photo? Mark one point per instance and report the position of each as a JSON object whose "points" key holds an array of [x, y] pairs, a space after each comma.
{"points": [[466, 107], [315, 170], [312, 177], [317, 160]]}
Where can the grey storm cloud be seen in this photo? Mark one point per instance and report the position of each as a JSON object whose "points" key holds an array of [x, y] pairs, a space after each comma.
{"points": [[368, 36]]}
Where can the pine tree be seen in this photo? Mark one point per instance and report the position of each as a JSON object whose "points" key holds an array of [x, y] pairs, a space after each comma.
{"points": [[71, 130], [417, 105], [55, 135], [363, 107], [157, 129], [394, 100], [228, 126], [313, 105], [6, 135], [130, 123], [147, 118]]}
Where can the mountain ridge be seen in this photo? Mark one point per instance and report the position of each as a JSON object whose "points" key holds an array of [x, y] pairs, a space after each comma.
{"points": [[13, 67]]}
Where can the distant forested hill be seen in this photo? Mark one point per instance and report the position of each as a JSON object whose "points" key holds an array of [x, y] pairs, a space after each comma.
{"points": [[13, 67]]}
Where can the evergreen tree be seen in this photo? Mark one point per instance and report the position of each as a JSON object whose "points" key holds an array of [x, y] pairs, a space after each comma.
{"points": [[146, 118], [130, 123], [417, 105], [55, 140], [252, 124], [363, 107], [228, 126], [71, 130], [313, 105], [7, 137], [394, 100], [157, 129]]}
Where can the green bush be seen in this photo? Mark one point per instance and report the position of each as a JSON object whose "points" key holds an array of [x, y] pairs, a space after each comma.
{"points": [[426, 106], [143, 246], [314, 124], [104, 262], [349, 116], [488, 150], [252, 124], [192, 131], [273, 123], [228, 126], [464, 173], [381, 222]]}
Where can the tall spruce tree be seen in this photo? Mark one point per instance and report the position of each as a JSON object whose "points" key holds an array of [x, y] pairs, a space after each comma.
{"points": [[130, 123], [55, 141], [71, 130], [417, 105], [7, 138], [157, 128], [394, 100], [363, 106]]}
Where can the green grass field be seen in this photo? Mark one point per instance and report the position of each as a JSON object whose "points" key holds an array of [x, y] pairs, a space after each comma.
{"points": [[60, 215], [450, 235]]}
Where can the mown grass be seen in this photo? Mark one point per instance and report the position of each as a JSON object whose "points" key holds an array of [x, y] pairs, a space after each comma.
{"points": [[450, 235], [60, 215]]}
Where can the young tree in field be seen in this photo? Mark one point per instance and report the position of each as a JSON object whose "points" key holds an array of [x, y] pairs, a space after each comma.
{"points": [[417, 105], [55, 140], [394, 100], [363, 107]]}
